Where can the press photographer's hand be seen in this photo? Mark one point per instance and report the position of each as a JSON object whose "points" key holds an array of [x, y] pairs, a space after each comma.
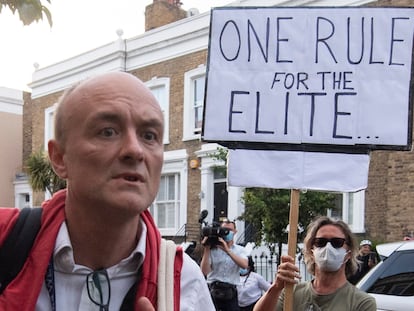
{"points": [[204, 242], [223, 245]]}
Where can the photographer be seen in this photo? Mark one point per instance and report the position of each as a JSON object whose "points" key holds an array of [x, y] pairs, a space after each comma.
{"points": [[221, 264]]}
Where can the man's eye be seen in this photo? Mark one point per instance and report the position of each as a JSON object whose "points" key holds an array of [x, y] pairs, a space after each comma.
{"points": [[108, 132], [150, 136]]}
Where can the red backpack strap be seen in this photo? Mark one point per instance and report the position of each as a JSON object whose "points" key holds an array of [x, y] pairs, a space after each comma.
{"points": [[178, 264]]}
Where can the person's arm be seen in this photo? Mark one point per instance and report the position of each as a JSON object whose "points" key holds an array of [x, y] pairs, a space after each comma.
{"points": [[269, 300], [238, 260], [242, 262], [205, 260], [286, 273], [262, 283]]}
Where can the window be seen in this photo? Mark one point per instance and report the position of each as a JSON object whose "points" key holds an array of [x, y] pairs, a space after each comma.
{"points": [[160, 88], [167, 203], [396, 277], [198, 94], [49, 124], [22, 192], [169, 208], [350, 207], [194, 83]]}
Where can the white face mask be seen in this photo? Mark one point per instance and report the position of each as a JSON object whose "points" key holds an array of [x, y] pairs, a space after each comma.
{"points": [[329, 258]]}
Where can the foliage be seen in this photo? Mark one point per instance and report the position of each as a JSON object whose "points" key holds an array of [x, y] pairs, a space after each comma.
{"points": [[41, 175], [221, 156], [29, 10], [268, 211]]}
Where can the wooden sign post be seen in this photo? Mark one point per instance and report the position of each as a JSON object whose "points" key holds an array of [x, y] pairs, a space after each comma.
{"points": [[292, 240]]}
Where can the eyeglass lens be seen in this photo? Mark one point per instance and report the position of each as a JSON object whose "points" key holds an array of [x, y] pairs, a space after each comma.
{"points": [[335, 242], [99, 289]]}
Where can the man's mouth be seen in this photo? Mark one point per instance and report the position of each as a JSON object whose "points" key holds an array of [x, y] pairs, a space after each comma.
{"points": [[131, 178]]}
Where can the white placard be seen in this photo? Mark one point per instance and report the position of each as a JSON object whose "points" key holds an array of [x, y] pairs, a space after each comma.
{"points": [[310, 77], [298, 170]]}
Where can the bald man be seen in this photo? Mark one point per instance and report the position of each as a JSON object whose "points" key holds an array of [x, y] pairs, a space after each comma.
{"points": [[98, 247]]}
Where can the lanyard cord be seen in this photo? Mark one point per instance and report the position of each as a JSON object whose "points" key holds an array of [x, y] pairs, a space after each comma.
{"points": [[248, 274], [50, 283]]}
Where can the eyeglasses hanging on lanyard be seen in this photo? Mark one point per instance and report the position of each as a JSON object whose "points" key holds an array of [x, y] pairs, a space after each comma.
{"points": [[99, 288]]}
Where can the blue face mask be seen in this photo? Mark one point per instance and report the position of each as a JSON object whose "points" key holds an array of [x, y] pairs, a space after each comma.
{"points": [[229, 236], [243, 271]]}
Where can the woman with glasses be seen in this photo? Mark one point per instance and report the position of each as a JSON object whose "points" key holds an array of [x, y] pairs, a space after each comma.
{"points": [[330, 255]]}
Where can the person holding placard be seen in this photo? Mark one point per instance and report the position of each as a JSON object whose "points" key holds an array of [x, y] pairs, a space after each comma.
{"points": [[330, 255]]}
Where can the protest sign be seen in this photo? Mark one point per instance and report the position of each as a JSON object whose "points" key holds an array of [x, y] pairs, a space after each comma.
{"points": [[313, 79], [299, 82]]}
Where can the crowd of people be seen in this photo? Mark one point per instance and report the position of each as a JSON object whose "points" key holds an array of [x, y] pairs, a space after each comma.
{"points": [[98, 247]]}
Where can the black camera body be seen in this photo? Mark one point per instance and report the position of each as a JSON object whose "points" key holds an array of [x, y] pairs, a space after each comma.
{"points": [[213, 233]]}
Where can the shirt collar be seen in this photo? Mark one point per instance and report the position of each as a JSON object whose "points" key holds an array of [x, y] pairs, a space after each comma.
{"points": [[64, 260]]}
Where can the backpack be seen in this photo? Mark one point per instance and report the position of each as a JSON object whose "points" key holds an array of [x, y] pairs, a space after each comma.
{"points": [[19, 242]]}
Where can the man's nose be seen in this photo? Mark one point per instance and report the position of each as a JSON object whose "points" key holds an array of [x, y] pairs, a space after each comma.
{"points": [[132, 146]]}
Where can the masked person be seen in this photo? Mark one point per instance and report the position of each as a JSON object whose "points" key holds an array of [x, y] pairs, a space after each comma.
{"points": [[330, 255], [221, 264], [252, 286]]}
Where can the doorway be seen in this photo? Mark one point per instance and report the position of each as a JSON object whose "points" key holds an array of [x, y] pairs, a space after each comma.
{"points": [[220, 201]]}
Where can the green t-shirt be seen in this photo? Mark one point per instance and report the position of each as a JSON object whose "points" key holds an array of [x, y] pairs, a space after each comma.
{"points": [[346, 298]]}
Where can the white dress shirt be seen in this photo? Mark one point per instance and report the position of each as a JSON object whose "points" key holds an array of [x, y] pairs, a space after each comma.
{"points": [[70, 280]]}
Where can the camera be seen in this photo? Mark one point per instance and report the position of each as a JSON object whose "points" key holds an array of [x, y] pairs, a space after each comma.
{"points": [[213, 233]]}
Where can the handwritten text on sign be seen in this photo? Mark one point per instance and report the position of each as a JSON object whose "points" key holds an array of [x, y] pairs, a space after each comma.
{"points": [[337, 76]]}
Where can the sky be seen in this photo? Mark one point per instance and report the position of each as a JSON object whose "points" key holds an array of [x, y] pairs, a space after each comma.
{"points": [[78, 26]]}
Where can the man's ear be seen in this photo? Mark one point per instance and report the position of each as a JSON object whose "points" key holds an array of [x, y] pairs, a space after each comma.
{"points": [[56, 158]]}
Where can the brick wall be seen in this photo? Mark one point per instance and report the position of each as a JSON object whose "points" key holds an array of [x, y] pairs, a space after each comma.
{"points": [[37, 107], [161, 13]]}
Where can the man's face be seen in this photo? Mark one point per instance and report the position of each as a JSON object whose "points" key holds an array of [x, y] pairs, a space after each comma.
{"points": [[365, 249], [113, 151], [229, 225]]}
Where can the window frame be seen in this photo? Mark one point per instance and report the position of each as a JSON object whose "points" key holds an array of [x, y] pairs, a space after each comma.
{"points": [[175, 162], [154, 83], [353, 210], [49, 130], [189, 130]]}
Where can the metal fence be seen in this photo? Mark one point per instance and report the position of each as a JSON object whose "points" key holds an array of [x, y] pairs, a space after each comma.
{"points": [[265, 262]]}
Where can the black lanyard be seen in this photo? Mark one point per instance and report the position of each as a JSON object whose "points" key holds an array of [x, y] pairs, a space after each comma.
{"points": [[50, 283]]}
